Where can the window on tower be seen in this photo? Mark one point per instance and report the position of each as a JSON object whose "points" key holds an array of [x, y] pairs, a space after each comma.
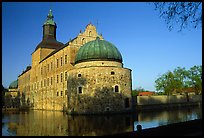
{"points": [[83, 41], [90, 33], [80, 90], [116, 88]]}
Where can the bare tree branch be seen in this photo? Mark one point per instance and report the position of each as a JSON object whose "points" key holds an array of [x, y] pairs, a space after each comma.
{"points": [[183, 14]]}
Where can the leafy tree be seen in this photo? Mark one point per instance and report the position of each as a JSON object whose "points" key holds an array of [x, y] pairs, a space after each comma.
{"points": [[195, 78], [185, 14], [168, 83], [180, 79], [181, 75]]}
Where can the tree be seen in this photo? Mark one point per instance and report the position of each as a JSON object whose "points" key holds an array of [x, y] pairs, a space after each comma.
{"points": [[195, 78], [180, 79], [168, 83], [185, 14]]}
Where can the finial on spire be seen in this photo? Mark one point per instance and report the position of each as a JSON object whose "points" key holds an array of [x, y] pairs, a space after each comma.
{"points": [[50, 18]]}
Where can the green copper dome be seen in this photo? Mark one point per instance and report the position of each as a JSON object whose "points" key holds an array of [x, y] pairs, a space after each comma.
{"points": [[14, 85], [98, 50]]}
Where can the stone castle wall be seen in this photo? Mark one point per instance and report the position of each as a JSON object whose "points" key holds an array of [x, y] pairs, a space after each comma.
{"points": [[98, 63], [98, 90], [45, 84], [164, 99]]}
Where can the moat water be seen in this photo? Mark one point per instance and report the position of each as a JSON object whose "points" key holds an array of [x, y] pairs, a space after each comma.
{"points": [[49, 123]]}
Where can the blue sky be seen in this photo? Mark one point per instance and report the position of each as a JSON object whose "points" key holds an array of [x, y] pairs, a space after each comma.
{"points": [[147, 47]]}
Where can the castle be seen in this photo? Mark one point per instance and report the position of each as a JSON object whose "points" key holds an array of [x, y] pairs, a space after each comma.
{"points": [[85, 75]]}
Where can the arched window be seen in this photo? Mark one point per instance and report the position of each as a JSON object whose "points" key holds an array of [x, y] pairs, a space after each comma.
{"points": [[90, 33], [83, 41], [116, 88]]}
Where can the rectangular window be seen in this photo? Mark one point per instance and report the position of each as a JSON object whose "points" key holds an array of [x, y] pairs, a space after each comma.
{"points": [[47, 67], [44, 82], [127, 104], [80, 89], [61, 93], [57, 63], [61, 61], [61, 77], [51, 66], [57, 93], [57, 79], [65, 59], [51, 81], [47, 81], [65, 76], [65, 92]]}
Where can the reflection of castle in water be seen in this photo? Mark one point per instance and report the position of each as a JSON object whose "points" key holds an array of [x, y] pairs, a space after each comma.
{"points": [[44, 123], [57, 124]]}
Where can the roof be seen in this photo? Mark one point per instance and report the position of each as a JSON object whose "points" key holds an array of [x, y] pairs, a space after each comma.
{"points": [[98, 50], [27, 69], [189, 89], [145, 93], [14, 85], [50, 20], [58, 49], [49, 42]]}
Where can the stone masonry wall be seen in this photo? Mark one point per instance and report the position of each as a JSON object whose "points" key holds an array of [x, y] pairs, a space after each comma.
{"points": [[164, 99], [45, 84], [98, 90]]}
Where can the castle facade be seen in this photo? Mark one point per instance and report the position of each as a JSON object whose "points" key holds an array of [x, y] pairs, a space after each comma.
{"points": [[85, 75]]}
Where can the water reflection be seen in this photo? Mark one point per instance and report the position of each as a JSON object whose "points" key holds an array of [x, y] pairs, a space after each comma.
{"points": [[48, 123], [163, 117]]}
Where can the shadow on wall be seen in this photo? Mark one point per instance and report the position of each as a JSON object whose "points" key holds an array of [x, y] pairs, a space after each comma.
{"points": [[95, 100], [164, 99], [166, 102]]}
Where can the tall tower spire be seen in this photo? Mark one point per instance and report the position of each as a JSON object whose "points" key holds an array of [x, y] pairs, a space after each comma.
{"points": [[49, 27], [50, 18]]}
